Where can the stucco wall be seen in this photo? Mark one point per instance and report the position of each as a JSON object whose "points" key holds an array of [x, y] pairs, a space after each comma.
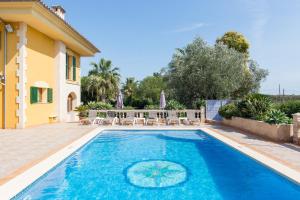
{"points": [[11, 79], [2, 72], [41, 67], [66, 87], [277, 133]]}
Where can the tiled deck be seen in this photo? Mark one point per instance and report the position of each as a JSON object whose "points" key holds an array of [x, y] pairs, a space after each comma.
{"points": [[288, 154], [20, 149]]}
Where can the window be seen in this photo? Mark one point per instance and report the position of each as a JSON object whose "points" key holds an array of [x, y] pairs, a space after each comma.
{"points": [[74, 68], [67, 66], [41, 95], [71, 65]]}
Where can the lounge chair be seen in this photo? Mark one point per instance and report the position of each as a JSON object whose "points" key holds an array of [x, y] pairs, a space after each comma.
{"points": [[152, 119], [191, 118], [93, 118], [172, 118], [110, 119], [130, 119]]}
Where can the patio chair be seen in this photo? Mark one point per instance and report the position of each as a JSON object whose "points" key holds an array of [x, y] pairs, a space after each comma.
{"points": [[93, 118], [130, 119], [152, 119], [110, 119], [172, 118], [191, 118]]}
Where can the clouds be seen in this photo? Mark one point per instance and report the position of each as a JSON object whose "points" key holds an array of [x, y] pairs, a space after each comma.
{"points": [[189, 28]]}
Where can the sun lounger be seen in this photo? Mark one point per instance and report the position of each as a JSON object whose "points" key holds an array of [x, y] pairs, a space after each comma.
{"points": [[129, 119], [191, 118], [172, 118], [110, 119], [93, 118], [152, 119]]}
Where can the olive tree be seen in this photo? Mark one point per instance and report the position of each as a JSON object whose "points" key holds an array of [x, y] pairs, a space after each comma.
{"points": [[202, 71]]}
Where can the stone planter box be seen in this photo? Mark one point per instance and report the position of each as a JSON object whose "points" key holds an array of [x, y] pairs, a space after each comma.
{"points": [[277, 133]]}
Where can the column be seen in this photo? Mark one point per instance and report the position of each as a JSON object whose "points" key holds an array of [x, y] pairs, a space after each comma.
{"points": [[296, 128]]}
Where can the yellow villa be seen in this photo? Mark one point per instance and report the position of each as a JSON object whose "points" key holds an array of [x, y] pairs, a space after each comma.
{"points": [[39, 64]]}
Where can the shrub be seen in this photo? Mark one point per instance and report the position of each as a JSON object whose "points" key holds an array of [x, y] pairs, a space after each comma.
{"points": [[289, 107], [152, 107], [254, 105], [199, 103], [128, 108], [174, 105], [140, 103], [228, 111], [275, 116], [82, 111], [99, 106]]}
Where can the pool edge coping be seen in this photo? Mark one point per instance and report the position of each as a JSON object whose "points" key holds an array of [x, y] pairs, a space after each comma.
{"points": [[20, 182]]}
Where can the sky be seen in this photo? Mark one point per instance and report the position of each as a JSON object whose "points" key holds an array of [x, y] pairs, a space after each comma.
{"points": [[140, 36]]}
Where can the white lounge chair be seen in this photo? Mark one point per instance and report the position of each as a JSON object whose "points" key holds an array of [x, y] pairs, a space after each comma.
{"points": [[93, 118], [152, 119], [172, 118], [130, 119], [191, 118], [110, 119]]}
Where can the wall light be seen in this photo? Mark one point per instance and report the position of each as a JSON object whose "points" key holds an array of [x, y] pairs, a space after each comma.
{"points": [[9, 28]]}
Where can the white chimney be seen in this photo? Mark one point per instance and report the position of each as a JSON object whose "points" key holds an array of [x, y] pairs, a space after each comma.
{"points": [[60, 11]]}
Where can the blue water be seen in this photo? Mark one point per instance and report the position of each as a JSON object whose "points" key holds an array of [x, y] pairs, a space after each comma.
{"points": [[160, 165]]}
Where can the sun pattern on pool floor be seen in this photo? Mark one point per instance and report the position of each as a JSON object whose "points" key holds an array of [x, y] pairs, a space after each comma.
{"points": [[156, 174]]}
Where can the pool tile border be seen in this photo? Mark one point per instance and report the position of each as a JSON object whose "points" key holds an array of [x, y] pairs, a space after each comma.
{"points": [[21, 181]]}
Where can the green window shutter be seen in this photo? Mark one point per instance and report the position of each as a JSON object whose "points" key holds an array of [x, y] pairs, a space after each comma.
{"points": [[49, 95], [67, 66], [74, 68], [33, 95]]}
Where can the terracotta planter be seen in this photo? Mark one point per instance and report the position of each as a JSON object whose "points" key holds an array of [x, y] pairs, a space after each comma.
{"points": [[274, 132]]}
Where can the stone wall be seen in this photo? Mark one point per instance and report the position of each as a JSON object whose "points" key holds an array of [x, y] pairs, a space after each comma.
{"points": [[277, 133], [296, 127]]}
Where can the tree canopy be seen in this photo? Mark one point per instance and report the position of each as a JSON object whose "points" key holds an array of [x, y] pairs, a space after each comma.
{"points": [[102, 83], [209, 72], [236, 41]]}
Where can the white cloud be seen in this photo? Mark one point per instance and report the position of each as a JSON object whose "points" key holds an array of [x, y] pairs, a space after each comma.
{"points": [[188, 28]]}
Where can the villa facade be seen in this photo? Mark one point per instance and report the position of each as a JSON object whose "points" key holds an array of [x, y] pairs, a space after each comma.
{"points": [[39, 64]]}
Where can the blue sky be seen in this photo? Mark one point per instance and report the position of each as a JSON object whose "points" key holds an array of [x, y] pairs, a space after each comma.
{"points": [[140, 36]]}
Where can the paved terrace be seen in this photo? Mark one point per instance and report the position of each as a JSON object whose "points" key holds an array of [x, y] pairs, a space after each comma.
{"points": [[21, 149]]}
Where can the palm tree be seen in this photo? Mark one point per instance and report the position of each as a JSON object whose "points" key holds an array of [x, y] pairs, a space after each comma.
{"points": [[108, 81], [95, 86], [130, 86], [129, 89], [104, 68]]}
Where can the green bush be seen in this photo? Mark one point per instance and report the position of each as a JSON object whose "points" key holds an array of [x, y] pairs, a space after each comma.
{"points": [[254, 105], [128, 108], [152, 107], [276, 117], [228, 111], [174, 105], [199, 103], [99, 106], [82, 110], [289, 107]]}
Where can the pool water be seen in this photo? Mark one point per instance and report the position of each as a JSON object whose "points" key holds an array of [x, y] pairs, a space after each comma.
{"points": [[160, 165]]}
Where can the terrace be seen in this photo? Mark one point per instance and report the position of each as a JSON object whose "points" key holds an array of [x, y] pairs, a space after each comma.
{"points": [[22, 149]]}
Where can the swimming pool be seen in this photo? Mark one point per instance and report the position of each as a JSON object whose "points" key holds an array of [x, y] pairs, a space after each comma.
{"points": [[159, 165]]}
